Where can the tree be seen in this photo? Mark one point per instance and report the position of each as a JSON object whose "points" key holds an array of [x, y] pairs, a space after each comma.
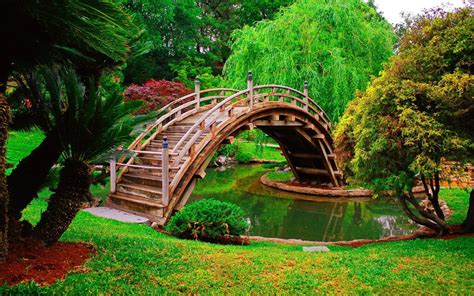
{"points": [[419, 112], [190, 33], [91, 35], [4, 121], [89, 125], [221, 18], [170, 29], [335, 45]]}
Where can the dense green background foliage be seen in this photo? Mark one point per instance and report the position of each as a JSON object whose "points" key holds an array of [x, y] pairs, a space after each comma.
{"points": [[418, 111], [336, 45], [208, 220], [189, 38]]}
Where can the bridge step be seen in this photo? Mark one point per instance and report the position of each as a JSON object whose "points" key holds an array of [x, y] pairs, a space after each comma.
{"points": [[140, 190], [142, 179], [149, 172], [150, 208], [148, 160]]}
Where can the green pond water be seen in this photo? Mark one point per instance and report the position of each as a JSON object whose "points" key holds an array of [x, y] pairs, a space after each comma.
{"points": [[272, 213]]}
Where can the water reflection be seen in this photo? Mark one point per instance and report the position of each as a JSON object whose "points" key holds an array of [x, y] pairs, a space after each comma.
{"points": [[273, 214]]}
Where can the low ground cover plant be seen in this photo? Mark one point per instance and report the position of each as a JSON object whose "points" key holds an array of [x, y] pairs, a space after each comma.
{"points": [[208, 220]]}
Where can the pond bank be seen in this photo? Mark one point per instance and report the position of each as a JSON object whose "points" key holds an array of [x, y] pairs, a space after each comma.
{"points": [[364, 194]]}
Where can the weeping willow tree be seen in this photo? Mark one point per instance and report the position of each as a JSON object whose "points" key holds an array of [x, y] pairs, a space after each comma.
{"points": [[334, 44]]}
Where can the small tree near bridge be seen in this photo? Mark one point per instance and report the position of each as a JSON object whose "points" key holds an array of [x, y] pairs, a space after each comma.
{"points": [[419, 112]]}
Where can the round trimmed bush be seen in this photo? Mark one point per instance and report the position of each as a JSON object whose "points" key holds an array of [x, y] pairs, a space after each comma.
{"points": [[208, 220]]}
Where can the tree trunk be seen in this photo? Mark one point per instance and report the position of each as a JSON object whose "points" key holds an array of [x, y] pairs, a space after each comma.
{"points": [[72, 192], [468, 225], [4, 121], [27, 178]]}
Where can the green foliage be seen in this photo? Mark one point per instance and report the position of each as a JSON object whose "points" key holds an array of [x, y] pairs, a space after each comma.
{"points": [[171, 28], [208, 220], [190, 38], [89, 125], [90, 34], [280, 176], [186, 70], [336, 45], [220, 18], [419, 111]]}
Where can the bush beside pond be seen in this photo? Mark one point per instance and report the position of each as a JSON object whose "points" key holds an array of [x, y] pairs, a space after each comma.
{"points": [[208, 220]]}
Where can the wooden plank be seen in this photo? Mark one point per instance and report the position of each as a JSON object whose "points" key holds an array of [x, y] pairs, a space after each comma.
{"points": [[313, 171], [229, 140], [328, 165], [277, 123], [307, 155]]}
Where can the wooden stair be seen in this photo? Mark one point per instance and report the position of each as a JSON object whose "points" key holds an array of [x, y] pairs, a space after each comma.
{"points": [[139, 190]]}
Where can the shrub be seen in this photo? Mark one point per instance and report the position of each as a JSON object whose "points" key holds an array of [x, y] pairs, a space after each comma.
{"points": [[155, 94], [208, 220]]}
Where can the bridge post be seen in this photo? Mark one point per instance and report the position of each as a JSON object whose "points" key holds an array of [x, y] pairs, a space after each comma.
{"points": [[197, 90], [250, 89], [306, 101], [165, 172], [113, 173]]}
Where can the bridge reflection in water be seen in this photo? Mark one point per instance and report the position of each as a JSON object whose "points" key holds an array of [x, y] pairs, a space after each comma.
{"points": [[273, 214]]}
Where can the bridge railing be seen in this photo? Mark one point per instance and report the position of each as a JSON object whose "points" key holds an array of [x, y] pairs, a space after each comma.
{"points": [[249, 97], [172, 112]]}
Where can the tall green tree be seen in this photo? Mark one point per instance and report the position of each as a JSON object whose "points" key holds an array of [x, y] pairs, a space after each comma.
{"points": [[220, 18], [170, 30], [419, 112], [336, 45]]}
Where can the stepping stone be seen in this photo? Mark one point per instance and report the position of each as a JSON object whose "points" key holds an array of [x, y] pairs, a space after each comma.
{"points": [[318, 249], [118, 215]]}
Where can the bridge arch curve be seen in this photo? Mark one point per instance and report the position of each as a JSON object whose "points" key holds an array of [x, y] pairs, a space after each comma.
{"points": [[195, 126]]}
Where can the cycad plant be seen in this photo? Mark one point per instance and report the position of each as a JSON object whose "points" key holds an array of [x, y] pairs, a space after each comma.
{"points": [[89, 124]]}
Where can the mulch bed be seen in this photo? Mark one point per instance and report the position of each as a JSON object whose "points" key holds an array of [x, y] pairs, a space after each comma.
{"points": [[33, 261]]}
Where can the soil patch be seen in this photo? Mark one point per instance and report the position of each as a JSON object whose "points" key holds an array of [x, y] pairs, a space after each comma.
{"points": [[32, 261]]}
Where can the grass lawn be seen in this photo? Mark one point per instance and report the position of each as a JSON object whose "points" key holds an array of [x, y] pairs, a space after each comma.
{"points": [[136, 259]]}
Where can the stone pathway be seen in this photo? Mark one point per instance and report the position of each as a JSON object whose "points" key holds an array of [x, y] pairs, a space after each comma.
{"points": [[118, 215]]}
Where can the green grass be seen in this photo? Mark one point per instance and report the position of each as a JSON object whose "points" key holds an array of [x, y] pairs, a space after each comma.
{"points": [[458, 201], [280, 176], [20, 144], [268, 152], [135, 259]]}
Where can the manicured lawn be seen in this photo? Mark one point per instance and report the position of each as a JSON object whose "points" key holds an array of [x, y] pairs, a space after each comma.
{"points": [[135, 259]]}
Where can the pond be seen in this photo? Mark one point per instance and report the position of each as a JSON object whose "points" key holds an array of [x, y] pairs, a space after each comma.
{"points": [[273, 213]]}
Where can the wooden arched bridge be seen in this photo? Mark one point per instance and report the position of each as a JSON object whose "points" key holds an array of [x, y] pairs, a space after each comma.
{"points": [[165, 161]]}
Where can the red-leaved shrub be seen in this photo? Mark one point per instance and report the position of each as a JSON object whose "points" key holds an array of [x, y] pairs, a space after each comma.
{"points": [[155, 94]]}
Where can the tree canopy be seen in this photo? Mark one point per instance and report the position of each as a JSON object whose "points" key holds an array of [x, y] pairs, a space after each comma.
{"points": [[187, 38], [336, 45], [417, 113]]}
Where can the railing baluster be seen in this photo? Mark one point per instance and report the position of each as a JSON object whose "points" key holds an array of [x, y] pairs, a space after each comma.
{"points": [[113, 173], [306, 95], [250, 89], [197, 90], [165, 172]]}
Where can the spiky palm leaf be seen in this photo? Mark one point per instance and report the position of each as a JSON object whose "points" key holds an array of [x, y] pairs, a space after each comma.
{"points": [[89, 124]]}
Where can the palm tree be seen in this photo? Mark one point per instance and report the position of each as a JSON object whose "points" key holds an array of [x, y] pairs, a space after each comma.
{"points": [[91, 35], [89, 125], [4, 120]]}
